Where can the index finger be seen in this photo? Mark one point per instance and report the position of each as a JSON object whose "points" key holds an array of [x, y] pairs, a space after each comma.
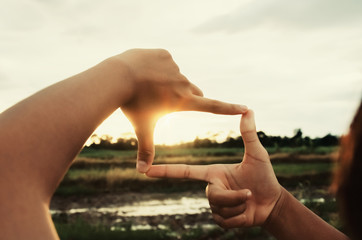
{"points": [[199, 103], [196, 172]]}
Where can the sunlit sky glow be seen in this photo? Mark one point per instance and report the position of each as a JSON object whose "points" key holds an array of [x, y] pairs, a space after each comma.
{"points": [[298, 64]]}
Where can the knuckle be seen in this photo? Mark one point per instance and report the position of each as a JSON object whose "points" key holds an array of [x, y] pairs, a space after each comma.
{"points": [[183, 79], [234, 108], [219, 220], [145, 154], [187, 172], [214, 208], [224, 213], [227, 212], [165, 174], [213, 107], [163, 53], [176, 68]]}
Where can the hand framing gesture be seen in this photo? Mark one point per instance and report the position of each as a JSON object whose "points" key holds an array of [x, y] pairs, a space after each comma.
{"points": [[241, 194]]}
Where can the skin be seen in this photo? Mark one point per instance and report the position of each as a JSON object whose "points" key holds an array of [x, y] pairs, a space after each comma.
{"points": [[41, 135], [248, 194], [167, 91], [240, 195]]}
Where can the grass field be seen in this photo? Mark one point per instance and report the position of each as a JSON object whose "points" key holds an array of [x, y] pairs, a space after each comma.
{"points": [[174, 152], [305, 172], [117, 174], [96, 171]]}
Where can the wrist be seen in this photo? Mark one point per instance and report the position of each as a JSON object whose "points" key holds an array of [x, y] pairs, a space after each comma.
{"points": [[120, 79], [275, 214]]}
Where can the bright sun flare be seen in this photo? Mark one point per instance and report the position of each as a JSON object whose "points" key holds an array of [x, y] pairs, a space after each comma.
{"points": [[166, 131]]}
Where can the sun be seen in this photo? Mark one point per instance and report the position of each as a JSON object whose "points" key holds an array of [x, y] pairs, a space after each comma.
{"points": [[166, 131]]}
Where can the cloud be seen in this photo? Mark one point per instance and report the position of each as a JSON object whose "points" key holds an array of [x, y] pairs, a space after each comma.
{"points": [[21, 16], [2, 79], [344, 94], [306, 14], [277, 74]]}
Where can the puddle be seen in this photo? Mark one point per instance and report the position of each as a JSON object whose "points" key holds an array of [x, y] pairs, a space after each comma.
{"points": [[181, 206], [189, 212], [184, 205]]}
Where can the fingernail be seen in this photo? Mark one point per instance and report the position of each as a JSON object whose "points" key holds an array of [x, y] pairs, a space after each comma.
{"points": [[243, 108], [142, 167], [248, 194]]}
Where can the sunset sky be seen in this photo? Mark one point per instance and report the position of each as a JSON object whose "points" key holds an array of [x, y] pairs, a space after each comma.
{"points": [[297, 64]]}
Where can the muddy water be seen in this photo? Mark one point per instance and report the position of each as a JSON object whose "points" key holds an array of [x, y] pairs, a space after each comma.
{"points": [[168, 206], [137, 211], [140, 211]]}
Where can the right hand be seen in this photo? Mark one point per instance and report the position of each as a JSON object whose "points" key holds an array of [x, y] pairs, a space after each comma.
{"points": [[156, 87], [240, 195]]}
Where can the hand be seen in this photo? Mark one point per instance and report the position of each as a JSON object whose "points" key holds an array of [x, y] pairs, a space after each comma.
{"points": [[157, 88], [240, 195]]}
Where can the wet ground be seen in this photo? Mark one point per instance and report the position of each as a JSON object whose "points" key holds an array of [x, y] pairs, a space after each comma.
{"points": [[146, 210], [137, 211]]}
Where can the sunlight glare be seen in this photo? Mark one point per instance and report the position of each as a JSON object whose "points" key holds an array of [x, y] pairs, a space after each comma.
{"points": [[166, 131]]}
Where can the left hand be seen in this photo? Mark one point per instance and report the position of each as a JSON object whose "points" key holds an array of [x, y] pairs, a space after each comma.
{"points": [[156, 88]]}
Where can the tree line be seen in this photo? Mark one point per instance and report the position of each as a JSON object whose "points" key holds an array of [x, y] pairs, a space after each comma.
{"points": [[298, 140]]}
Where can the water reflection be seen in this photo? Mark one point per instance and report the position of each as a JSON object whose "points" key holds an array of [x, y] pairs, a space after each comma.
{"points": [[184, 205], [175, 213]]}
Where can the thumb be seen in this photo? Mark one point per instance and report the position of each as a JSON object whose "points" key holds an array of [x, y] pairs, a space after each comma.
{"points": [[146, 149], [249, 135]]}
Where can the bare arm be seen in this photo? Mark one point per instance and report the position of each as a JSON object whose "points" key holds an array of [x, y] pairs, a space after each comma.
{"points": [[248, 194], [50, 127], [292, 220]]}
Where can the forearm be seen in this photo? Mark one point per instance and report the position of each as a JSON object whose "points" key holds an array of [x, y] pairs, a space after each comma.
{"points": [[41, 135], [292, 220]]}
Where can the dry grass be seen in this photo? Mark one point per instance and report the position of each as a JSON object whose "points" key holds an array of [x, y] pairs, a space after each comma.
{"points": [[89, 161], [118, 175], [112, 176], [197, 159]]}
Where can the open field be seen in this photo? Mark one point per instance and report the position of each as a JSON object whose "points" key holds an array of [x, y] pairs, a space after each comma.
{"points": [[116, 175], [174, 152], [105, 179]]}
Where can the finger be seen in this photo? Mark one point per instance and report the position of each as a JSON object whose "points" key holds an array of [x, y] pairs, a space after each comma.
{"points": [[146, 149], [196, 90], [233, 222], [226, 198], [197, 172], [249, 135], [203, 104], [227, 212]]}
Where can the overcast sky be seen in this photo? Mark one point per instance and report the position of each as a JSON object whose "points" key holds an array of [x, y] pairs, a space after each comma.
{"points": [[298, 64]]}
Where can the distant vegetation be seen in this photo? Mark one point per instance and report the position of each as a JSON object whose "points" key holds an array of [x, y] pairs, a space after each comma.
{"points": [[276, 142], [98, 170], [107, 168]]}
